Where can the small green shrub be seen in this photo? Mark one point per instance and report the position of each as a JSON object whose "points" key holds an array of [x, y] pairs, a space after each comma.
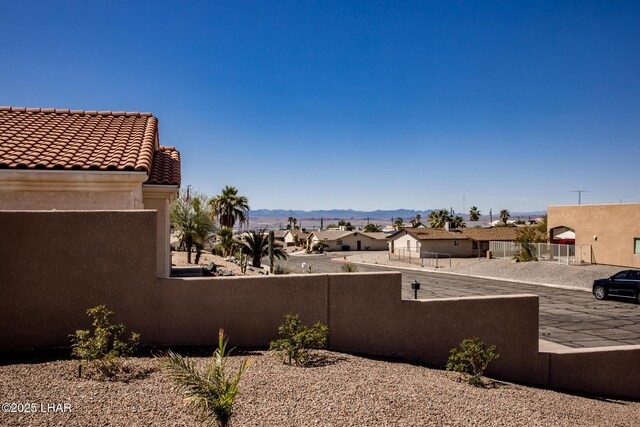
{"points": [[349, 268], [210, 392], [472, 358], [281, 269], [297, 339], [102, 348]]}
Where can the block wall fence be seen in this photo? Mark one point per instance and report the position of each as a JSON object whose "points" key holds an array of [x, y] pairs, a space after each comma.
{"points": [[56, 264]]}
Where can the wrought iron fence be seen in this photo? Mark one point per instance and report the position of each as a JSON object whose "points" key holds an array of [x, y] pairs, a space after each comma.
{"points": [[549, 252], [423, 258]]}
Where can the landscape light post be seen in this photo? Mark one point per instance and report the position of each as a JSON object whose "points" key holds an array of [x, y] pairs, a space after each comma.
{"points": [[415, 286]]}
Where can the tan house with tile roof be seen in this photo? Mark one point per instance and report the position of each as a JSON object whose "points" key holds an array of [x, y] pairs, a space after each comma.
{"points": [[88, 160], [338, 240], [295, 237], [462, 242]]}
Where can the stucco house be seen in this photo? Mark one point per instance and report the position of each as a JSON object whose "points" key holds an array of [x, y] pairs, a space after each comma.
{"points": [[612, 231], [295, 237], [338, 240], [461, 242], [88, 160]]}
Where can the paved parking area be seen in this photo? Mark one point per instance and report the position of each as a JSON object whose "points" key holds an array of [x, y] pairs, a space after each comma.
{"points": [[569, 317]]}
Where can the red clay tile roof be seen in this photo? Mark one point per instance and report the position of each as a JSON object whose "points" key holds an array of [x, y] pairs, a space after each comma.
{"points": [[165, 168], [48, 138]]}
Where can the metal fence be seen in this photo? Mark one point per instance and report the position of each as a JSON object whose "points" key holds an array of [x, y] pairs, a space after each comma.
{"points": [[549, 252], [422, 258]]}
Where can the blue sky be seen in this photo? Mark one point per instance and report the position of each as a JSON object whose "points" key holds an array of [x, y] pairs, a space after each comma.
{"points": [[363, 105]]}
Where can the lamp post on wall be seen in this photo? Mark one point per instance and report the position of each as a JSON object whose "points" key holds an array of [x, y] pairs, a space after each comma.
{"points": [[415, 286]]}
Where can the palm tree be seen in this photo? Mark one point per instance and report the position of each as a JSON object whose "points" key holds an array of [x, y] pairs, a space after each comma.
{"points": [[504, 216], [372, 228], [474, 214], [399, 224], [458, 222], [191, 217], [289, 221], [295, 223], [437, 219], [226, 243], [256, 245], [228, 207]]}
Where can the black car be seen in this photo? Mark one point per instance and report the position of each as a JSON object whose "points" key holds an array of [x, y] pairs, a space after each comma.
{"points": [[623, 284]]}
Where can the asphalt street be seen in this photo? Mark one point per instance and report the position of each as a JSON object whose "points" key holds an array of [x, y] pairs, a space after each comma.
{"points": [[569, 317]]}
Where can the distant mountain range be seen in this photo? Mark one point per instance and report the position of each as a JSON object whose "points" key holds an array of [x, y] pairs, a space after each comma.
{"points": [[351, 214]]}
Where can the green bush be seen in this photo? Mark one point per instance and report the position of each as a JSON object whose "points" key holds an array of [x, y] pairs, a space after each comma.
{"points": [[102, 348], [296, 339], [472, 358], [349, 268], [281, 269], [210, 392]]}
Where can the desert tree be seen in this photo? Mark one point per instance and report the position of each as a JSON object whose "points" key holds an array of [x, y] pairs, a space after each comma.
{"points": [[256, 246], [504, 216], [474, 214], [191, 218], [229, 208]]}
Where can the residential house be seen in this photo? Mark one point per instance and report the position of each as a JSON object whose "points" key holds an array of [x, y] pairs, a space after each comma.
{"points": [[339, 240], [295, 237], [88, 160], [460, 242], [612, 231]]}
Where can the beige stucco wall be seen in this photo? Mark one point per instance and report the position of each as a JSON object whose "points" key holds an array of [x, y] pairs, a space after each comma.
{"points": [[615, 226], [70, 190], [91, 258], [159, 198]]}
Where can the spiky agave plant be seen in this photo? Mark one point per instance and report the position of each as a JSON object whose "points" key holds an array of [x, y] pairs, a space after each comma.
{"points": [[349, 268], [210, 392]]}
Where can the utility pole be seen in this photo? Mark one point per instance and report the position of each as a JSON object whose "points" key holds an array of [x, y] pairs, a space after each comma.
{"points": [[579, 195]]}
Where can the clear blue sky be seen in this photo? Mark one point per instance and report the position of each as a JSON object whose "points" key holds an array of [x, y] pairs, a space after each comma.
{"points": [[363, 105]]}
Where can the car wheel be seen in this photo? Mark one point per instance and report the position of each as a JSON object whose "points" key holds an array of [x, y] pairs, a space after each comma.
{"points": [[599, 292]]}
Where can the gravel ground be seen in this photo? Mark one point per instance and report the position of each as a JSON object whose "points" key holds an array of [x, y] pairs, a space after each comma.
{"points": [[536, 272], [180, 259], [346, 391]]}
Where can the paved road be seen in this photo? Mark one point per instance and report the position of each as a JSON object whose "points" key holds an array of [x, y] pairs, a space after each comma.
{"points": [[569, 317]]}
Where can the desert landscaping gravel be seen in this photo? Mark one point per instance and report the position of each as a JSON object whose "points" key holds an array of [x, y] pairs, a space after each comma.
{"points": [[346, 391], [580, 276]]}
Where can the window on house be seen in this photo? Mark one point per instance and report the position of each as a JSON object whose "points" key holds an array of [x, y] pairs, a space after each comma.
{"points": [[474, 245], [636, 246], [408, 245], [339, 242], [455, 243]]}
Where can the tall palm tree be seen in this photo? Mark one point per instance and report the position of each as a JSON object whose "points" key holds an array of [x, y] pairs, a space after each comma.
{"points": [[474, 214], [228, 207], [504, 216], [399, 224], [191, 217], [372, 228], [437, 219], [290, 222], [256, 245]]}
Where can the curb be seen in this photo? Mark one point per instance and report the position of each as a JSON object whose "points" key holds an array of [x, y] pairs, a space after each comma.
{"points": [[502, 279]]}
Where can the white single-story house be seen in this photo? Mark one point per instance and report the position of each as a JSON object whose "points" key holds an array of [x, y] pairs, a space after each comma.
{"points": [[461, 242], [295, 237], [88, 160], [337, 240]]}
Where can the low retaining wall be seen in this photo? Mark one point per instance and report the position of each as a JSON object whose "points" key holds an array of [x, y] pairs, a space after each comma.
{"points": [[55, 264]]}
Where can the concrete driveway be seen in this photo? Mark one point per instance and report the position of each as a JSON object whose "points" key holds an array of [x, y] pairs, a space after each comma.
{"points": [[573, 318]]}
